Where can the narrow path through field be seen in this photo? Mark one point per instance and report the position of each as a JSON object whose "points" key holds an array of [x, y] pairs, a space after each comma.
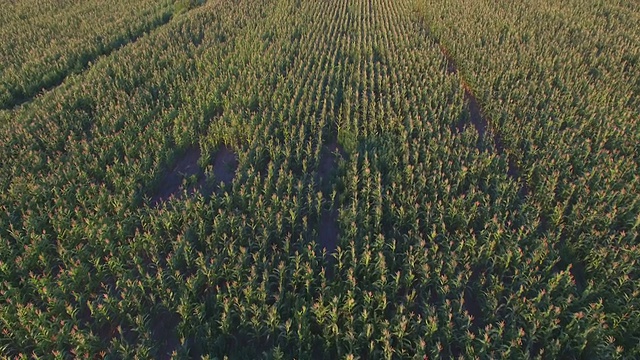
{"points": [[187, 174], [86, 60], [482, 124], [480, 121], [185, 167], [328, 230], [317, 81]]}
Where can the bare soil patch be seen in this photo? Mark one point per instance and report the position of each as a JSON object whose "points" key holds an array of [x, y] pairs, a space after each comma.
{"points": [[329, 160], [451, 65], [187, 173], [328, 231], [471, 301], [225, 165], [186, 166], [163, 327], [475, 112]]}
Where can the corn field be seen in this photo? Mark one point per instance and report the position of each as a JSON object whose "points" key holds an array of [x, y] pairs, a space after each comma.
{"points": [[296, 179]]}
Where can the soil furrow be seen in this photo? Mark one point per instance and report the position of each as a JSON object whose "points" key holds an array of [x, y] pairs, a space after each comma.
{"points": [[84, 63], [482, 124], [480, 121]]}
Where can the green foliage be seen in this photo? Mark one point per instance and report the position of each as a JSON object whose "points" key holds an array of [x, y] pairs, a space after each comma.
{"points": [[41, 49], [183, 6], [344, 200]]}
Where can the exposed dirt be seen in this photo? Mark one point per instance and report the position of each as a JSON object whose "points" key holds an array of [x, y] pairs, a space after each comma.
{"points": [[328, 231], [475, 115], [163, 327], [479, 120], [471, 303], [451, 65], [329, 160], [225, 165], [185, 167], [481, 124]]}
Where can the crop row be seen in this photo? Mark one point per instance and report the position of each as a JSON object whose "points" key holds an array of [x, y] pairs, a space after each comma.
{"points": [[48, 41], [366, 217], [560, 85]]}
